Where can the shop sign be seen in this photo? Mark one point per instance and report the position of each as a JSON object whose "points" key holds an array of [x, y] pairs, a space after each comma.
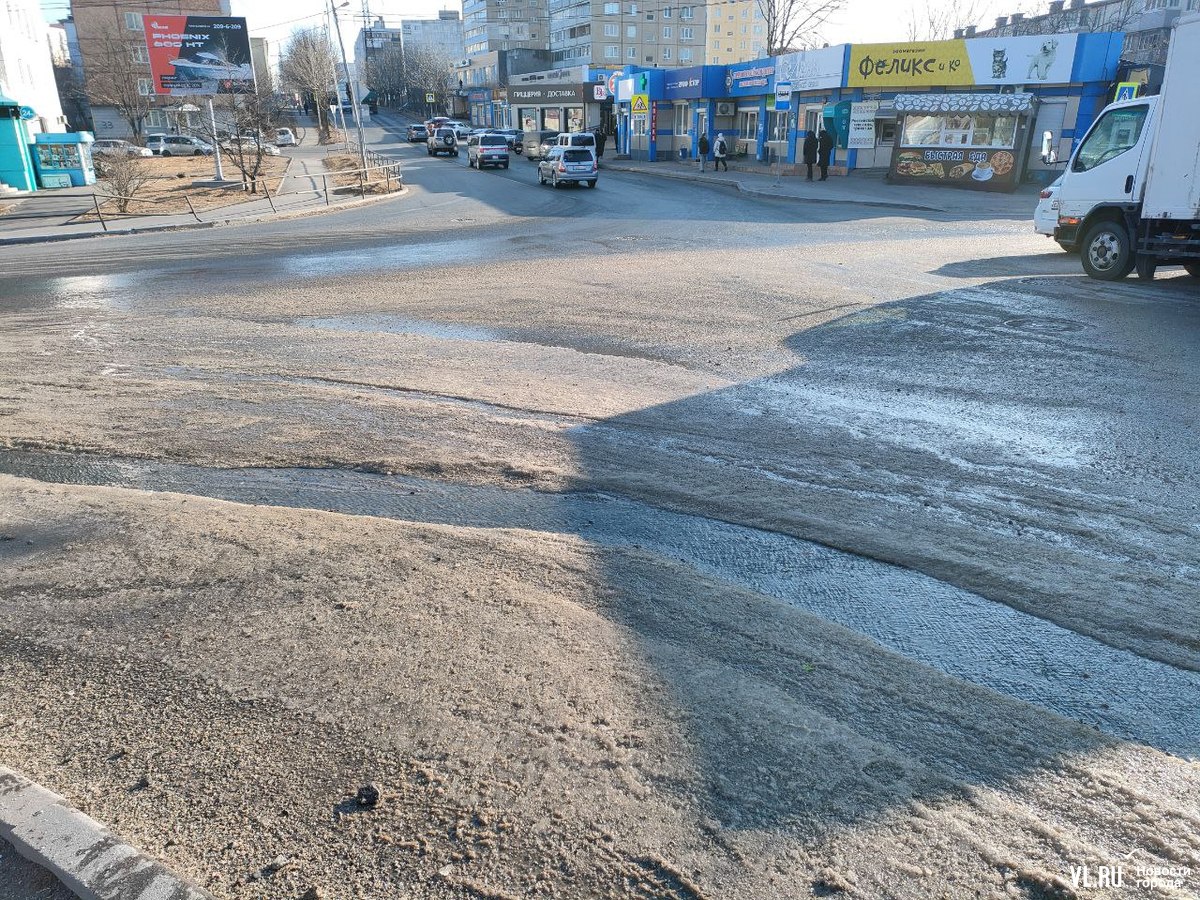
{"points": [[599, 92], [612, 82], [548, 94], [640, 104], [28, 113], [654, 122], [812, 70], [783, 95], [751, 80], [1033, 59], [862, 125], [965, 167]]}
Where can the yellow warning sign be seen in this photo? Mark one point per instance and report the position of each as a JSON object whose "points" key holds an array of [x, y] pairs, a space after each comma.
{"points": [[641, 104]]}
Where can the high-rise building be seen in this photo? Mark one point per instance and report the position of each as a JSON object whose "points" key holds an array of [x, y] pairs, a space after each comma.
{"points": [[443, 35], [736, 32], [491, 25], [26, 69], [116, 65], [615, 33]]}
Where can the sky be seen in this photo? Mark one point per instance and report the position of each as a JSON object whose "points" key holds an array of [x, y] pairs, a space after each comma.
{"points": [[861, 21]]}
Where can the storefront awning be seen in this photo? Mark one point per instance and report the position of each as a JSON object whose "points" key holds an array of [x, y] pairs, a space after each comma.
{"points": [[963, 103]]}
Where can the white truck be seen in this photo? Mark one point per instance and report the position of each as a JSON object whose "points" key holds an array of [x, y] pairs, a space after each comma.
{"points": [[1130, 198]]}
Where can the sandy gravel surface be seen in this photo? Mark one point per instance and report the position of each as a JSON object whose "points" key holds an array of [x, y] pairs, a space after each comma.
{"points": [[543, 717]]}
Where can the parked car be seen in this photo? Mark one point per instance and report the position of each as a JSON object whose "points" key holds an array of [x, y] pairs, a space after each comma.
{"points": [[1045, 217], [178, 145], [533, 141], [285, 137], [487, 150], [417, 134], [432, 125], [461, 129], [577, 139], [250, 145], [118, 147], [562, 165], [442, 141], [512, 137]]}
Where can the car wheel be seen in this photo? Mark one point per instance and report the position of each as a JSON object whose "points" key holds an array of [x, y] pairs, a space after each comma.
{"points": [[504, 165], [198, 153], [1192, 268], [166, 153], [541, 178], [592, 183], [1106, 252], [554, 182], [470, 163]]}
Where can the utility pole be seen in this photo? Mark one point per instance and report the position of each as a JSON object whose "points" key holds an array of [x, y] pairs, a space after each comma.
{"points": [[362, 143]]}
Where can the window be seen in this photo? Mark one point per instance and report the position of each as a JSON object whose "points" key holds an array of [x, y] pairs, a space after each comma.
{"points": [[666, 32], [777, 127], [666, 53], [146, 87], [687, 12], [631, 31], [612, 9], [686, 34], [959, 130], [612, 51], [611, 29], [716, 28], [716, 45], [685, 54], [156, 118], [633, 9], [747, 127], [758, 29], [632, 54], [141, 55], [683, 118], [1115, 133], [666, 13], [133, 21], [745, 29]]}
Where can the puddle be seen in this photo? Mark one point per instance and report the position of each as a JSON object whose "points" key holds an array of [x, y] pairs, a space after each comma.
{"points": [[952, 630]]}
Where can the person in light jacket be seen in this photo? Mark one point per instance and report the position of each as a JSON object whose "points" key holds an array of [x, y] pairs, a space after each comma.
{"points": [[810, 152], [720, 149], [824, 152], [702, 150]]}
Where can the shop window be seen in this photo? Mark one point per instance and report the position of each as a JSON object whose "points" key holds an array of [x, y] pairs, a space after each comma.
{"points": [[747, 127], [58, 156], [959, 130], [777, 126], [683, 118]]}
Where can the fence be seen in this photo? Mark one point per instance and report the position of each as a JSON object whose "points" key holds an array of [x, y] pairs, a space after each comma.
{"points": [[106, 209]]}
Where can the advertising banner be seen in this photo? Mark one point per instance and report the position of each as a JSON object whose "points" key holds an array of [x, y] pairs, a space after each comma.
{"points": [[812, 70], [550, 95], [199, 54], [862, 125], [982, 169], [751, 79], [1033, 59]]}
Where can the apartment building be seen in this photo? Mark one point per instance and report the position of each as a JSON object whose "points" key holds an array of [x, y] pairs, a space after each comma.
{"points": [[736, 32], [492, 25], [443, 35], [116, 65], [615, 33], [26, 69], [1147, 24]]}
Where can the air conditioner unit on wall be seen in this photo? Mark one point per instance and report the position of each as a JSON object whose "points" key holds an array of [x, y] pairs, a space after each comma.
{"points": [[464, 63], [724, 109]]}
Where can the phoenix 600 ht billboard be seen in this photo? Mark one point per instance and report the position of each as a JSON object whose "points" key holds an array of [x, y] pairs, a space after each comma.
{"points": [[199, 54]]}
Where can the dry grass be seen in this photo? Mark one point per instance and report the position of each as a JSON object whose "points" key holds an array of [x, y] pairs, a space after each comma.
{"points": [[171, 186], [348, 164]]}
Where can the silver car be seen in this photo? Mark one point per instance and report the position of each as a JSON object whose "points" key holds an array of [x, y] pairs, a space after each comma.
{"points": [[562, 165], [178, 145], [118, 147]]}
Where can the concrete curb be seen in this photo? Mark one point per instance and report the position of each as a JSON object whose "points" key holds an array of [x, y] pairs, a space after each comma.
{"points": [[84, 855], [678, 176], [216, 223]]}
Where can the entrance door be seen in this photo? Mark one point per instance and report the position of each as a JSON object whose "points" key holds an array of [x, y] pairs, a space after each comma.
{"points": [[701, 123]]}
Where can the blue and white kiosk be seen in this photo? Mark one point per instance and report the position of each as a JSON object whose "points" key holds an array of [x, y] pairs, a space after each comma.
{"points": [[64, 160], [16, 168]]}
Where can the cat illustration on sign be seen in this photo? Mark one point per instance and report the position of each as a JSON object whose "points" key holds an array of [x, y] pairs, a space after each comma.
{"points": [[999, 64], [1040, 62]]}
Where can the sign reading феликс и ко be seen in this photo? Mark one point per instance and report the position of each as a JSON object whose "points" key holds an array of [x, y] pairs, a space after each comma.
{"points": [[1033, 59]]}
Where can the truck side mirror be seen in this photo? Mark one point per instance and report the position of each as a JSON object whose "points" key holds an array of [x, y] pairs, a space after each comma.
{"points": [[1049, 154]]}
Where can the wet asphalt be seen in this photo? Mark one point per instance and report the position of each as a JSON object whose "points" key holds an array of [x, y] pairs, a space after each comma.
{"points": [[973, 455]]}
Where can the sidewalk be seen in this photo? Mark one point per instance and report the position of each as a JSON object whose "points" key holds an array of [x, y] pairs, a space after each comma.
{"points": [[865, 189], [44, 217]]}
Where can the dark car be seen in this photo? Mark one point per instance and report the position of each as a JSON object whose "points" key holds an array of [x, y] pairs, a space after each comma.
{"points": [[533, 141], [443, 140], [417, 134], [512, 136]]}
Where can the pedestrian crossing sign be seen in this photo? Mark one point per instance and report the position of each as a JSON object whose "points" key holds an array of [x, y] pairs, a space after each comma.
{"points": [[1127, 90], [641, 104]]}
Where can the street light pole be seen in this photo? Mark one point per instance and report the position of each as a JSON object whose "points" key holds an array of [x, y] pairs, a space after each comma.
{"points": [[362, 143]]}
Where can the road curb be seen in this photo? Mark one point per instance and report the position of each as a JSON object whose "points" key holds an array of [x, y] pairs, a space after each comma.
{"points": [[217, 223], [754, 192], [84, 855]]}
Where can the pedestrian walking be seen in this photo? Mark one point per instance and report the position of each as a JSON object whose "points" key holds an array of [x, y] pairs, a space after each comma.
{"points": [[702, 150], [810, 152], [720, 149], [601, 139], [824, 152]]}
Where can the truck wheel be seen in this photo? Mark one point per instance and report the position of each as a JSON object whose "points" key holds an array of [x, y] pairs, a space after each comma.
{"points": [[1192, 268], [1146, 265], [1106, 252]]}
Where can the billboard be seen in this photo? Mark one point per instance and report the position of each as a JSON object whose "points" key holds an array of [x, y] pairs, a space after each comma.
{"points": [[1033, 59], [811, 70], [199, 54]]}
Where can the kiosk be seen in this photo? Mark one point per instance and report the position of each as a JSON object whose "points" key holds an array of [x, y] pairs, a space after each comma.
{"points": [[64, 160]]}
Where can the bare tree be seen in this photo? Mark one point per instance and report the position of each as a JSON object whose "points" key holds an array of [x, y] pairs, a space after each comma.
{"points": [[117, 78], [428, 71], [792, 24], [387, 74], [124, 176], [249, 120], [937, 20], [307, 66]]}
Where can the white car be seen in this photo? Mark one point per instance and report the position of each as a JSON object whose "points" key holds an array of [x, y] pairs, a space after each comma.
{"points": [[247, 145], [1045, 217], [118, 147], [462, 130], [285, 137]]}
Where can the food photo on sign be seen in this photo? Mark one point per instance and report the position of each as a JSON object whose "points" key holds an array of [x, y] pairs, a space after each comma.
{"points": [[199, 54]]}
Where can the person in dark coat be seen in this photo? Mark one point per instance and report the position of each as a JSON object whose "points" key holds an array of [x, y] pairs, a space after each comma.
{"points": [[601, 140], [824, 152], [702, 150], [810, 152]]}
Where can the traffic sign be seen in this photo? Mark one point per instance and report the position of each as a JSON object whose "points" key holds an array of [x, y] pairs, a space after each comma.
{"points": [[430, 97], [641, 104], [783, 95], [1127, 90], [27, 113]]}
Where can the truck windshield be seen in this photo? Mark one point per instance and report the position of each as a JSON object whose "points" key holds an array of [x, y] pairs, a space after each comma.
{"points": [[1117, 131]]}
